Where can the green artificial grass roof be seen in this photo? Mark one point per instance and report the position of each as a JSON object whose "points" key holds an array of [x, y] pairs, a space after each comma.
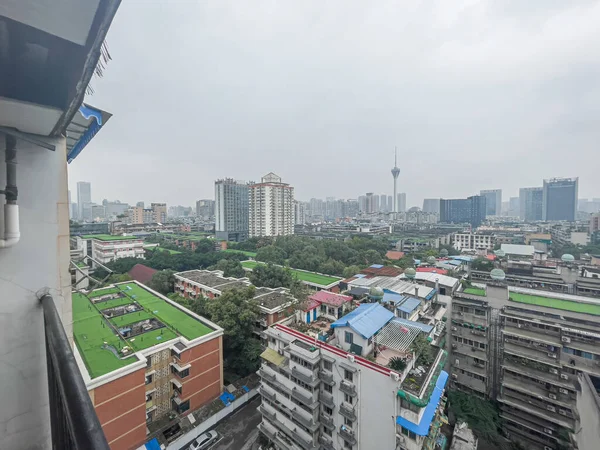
{"points": [[232, 250], [109, 237], [91, 329], [172, 252], [311, 277], [475, 291], [556, 303]]}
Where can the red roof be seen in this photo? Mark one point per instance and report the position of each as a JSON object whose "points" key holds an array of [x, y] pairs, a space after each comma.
{"points": [[386, 271], [330, 298], [311, 304], [432, 270], [491, 257], [393, 255], [141, 273]]}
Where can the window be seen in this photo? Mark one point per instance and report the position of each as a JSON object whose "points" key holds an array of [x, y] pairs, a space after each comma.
{"points": [[183, 407], [347, 444], [347, 422], [149, 379], [182, 374], [348, 375], [328, 410], [327, 431], [327, 388], [348, 337], [348, 398], [327, 365]]}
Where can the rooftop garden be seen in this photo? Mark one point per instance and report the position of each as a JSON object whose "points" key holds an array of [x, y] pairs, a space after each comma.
{"points": [[310, 277], [556, 303], [109, 237], [475, 291], [102, 338]]}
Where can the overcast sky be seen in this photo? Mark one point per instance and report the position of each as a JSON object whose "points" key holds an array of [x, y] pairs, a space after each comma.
{"points": [[475, 94]]}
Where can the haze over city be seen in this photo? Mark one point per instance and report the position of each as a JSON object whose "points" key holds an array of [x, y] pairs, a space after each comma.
{"points": [[477, 97]]}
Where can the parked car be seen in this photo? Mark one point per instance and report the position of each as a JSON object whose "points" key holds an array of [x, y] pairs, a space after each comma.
{"points": [[204, 441]]}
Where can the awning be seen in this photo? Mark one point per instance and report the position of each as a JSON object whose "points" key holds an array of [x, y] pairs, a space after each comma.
{"points": [[422, 429], [176, 383], [83, 127], [272, 356]]}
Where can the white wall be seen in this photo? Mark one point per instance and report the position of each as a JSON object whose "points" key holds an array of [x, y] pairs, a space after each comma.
{"points": [[39, 260]]}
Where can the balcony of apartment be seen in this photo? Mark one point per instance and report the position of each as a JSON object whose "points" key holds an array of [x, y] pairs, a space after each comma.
{"points": [[326, 442], [347, 434], [580, 363], [552, 376], [469, 333], [474, 351], [266, 393], [266, 373], [305, 375], [470, 382], [347, 411], [544, 336], [326, 420], [529, 420], [538, 408], [267, 411], [530, 351], [347, 387], [326, 377], [547, 393], [327, 399], [305, 419], [530, 435], [73, 420], [304, 397]]}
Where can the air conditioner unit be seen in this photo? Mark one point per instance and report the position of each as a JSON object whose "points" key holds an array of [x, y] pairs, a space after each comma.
{"points": [[552, 396], [454, 329], [562, 412], [395, 376], [460, 313], [547, 431], [520, 325], [551, 408], [554, 371], [566, 339], [454, 345], [350, 358], [563, 391], [552, 355], [564, 376], [454, 376], [457, 362]]}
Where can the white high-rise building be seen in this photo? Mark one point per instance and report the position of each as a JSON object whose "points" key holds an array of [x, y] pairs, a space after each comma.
{"points": [[84, 200], [402, 202], [271, 207]]}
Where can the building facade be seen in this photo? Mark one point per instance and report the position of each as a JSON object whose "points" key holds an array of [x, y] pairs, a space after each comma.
{"points": [[205, 209], [84, 200], [528, 357], [402, 202], [159, 211], [105, 248], [470, 210], [474, 241], [530, 203], [231, 210], [145, 378], [560, 199], [493, 201], [299, 212], [271, 210], [431, 205]]}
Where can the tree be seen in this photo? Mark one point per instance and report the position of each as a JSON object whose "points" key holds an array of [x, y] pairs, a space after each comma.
{"points": [[271, 254], [205, 246], [118, 278], [482, 264], [423, 349], [231, 268], [236, 313], [397, 363], [350, 271], [162, 281], [271, 276]]}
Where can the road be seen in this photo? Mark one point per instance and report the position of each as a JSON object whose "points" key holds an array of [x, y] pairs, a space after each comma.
{"points": [[240, 430]]}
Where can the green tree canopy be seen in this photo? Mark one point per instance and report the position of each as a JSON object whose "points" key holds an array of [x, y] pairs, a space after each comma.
{"points": [[271, 254], [162, 281]]}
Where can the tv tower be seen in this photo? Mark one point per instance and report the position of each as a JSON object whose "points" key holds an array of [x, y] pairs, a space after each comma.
{"points": [[395, 173]]}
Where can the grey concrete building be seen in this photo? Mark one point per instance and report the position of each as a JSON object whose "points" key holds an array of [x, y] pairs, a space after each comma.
{"points": [[530, 203], [232, 205], [560, 199], [493, 201]]}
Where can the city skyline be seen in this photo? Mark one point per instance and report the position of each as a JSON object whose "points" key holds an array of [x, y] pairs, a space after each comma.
{"points": [[446, 100]]}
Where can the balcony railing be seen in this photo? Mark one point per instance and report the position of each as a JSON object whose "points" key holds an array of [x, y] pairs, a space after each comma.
{"points": [[308, 423], [326, 377], [326, 420], [347, 411], [348, 388], [311, 380], [304, 399], [326, 443], [347, 434], [73, 419], [327, 399]]}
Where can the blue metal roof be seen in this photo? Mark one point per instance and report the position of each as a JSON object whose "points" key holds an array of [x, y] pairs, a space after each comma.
{"points": [[391, 297], [152, 445], [463, 258], [366, 320], [431, 294], [376, 266], [409, 304], [411, 323], [422, 429]]}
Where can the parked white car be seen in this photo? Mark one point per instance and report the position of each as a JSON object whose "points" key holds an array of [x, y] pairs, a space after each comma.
{"points": [[204, 441]]}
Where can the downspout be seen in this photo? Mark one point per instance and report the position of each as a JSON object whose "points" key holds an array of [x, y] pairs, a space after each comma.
{"points": [[11, 209]]}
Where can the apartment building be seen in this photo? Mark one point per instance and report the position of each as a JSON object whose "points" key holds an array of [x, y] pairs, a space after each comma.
{"points": [[231, 210], [474, 241], [105, 248], [319, 390], [159, 211], [529, 350], [274, 304], [271, 207], [142, 357]]}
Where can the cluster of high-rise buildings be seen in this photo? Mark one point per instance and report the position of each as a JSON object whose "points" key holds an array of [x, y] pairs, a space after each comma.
{"points": [[248, 209]]}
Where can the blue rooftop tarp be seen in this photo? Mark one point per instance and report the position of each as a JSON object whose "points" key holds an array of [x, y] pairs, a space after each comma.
{"points": [[376, 266], [366, 320], [153, 445], [411, 323], [462, 258], [422, 429], [431, 294], [409, 304]]}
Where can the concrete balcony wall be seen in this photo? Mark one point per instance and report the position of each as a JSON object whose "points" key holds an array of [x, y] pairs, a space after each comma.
{"points": [[39, 261]]}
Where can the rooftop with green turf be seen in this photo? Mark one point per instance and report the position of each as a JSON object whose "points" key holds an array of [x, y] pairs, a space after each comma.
{"points": [[110, 325]]}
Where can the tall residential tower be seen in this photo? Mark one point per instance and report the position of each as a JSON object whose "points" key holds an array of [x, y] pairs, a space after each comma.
{"points": [[231, 210], [395, 173], [271, 207]]}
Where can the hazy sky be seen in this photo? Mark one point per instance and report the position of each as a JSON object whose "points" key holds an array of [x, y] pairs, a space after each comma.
{"points": [[475, 94]]}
